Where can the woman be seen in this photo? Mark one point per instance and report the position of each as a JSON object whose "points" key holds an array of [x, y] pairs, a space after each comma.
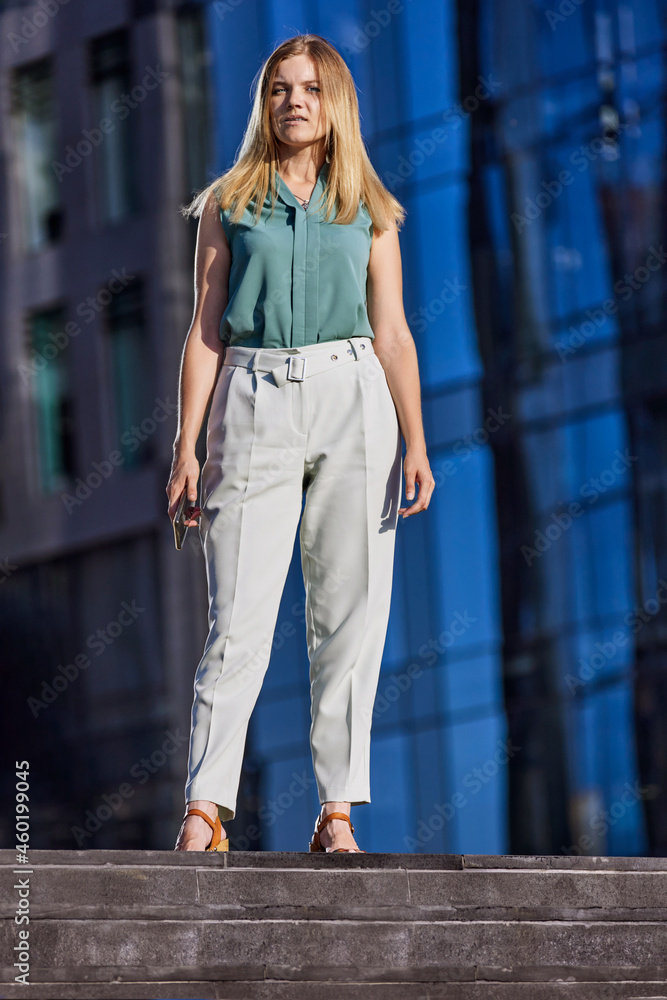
{"points": [[299, 342]]}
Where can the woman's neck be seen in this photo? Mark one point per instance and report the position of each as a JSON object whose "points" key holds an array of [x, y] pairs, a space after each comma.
{"points": [[300, 170]]}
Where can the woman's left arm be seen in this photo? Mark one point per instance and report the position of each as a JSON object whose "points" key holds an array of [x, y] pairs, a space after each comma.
{"points": [[396, 351]]}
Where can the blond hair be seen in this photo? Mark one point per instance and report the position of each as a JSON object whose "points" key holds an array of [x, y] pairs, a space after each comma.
{"points": [[351, 176]]}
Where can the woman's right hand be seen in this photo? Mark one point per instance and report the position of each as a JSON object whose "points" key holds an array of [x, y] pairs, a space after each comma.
{"points": [[184, 473]]}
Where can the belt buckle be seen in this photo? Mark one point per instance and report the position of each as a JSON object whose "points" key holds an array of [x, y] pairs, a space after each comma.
{"points": [[296, 372]]}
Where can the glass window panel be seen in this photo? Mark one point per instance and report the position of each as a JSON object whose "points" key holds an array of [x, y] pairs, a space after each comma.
{"points": [[53, 403], [289, 804], [626, 820], [438, 310], [413, 547], [427, 784], [602, 576], [111, 83], [382, 827], [195, 58], [432, 67], [598, 657], [567, 100], [424, 692], [119, 630], [478, 770], [581, 269], [280, 723], [132, 376], [473, 685], [651, 440], [544, 462], [597, 461], [463, 522], [34, 123], [592, 379]]}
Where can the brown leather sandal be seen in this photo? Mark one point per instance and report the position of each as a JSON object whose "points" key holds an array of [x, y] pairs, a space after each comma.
{"points": [[217, 843], [315, 844]]}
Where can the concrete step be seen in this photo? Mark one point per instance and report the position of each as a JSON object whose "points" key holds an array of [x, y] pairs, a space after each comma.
{"points": [[174, 925], [305, 990]]}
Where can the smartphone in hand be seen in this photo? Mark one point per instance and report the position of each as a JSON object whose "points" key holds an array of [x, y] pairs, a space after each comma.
{"points": [[184, 512]]}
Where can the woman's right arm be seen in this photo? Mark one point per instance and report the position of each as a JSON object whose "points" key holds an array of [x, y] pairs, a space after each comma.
{"points": [[202, 353]]}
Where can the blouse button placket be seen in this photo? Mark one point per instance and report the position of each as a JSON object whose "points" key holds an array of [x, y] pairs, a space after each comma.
{"points": [[305, 275]]}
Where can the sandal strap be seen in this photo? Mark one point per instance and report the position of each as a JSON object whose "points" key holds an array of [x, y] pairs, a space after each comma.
{"points": [[199, 812], [323, 822]]}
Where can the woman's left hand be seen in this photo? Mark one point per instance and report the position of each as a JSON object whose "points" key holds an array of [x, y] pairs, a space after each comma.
{"points": [[417, 470]]}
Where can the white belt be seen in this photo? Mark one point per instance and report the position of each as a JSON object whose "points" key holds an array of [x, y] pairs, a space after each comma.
{"points": [[296, 367]]}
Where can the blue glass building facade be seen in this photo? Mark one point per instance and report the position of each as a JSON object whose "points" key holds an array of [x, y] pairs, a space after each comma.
{"points": [[566, 229]]}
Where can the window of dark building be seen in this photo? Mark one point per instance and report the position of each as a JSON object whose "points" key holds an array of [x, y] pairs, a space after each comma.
{"points": [[116, 179], [52, 395], [129, 367], [195, 59], [34, 123]]}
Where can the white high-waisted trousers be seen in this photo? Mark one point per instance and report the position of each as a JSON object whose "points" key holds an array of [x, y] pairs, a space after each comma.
{"points": [[336, 435]]}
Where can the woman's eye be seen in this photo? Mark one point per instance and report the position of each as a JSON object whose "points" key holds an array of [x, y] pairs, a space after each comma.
{"points": [[277, 89]]}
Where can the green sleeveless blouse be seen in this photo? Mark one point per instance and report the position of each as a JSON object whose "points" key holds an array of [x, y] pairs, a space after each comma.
{"points": [[294, 278]]}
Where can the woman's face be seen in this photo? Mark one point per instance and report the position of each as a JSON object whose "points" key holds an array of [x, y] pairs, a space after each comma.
{"points": [[296, 113]]}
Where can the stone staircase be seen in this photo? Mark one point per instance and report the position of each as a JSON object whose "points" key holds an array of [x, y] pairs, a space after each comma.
{"points": [[295, 926]]}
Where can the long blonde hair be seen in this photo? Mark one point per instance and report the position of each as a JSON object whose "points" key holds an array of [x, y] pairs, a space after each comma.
{"points": [[351, 176]]}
